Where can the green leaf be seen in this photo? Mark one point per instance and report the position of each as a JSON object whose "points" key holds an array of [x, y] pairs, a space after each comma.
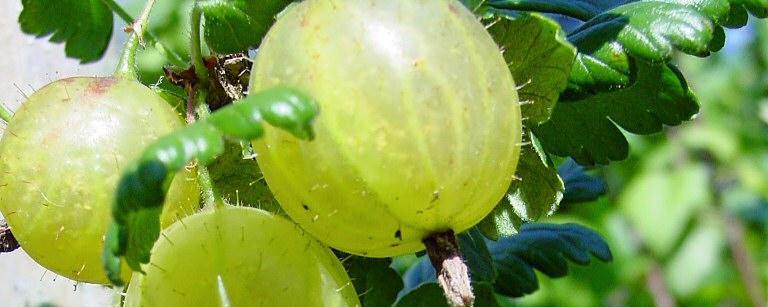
{"points": [[539, 58], [476, 255], [580, 9], [476, 6], [240, 181], [614, 35], [485, 296], [579, 186], [586, 129], [539, 190], [141, 190], [650, 31], [501, 222], [236, 25], [85, 26], [426, 295], [536, 192], [546, 247], [374, 280], [716, 10], [430, 295], [758, 8]]}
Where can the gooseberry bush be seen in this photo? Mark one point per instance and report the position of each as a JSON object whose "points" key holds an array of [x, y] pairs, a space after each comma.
{"points": [[340, 152]]}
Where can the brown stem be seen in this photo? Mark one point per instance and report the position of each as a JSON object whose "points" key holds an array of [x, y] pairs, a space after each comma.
{"points": [[191, 103], [8, 242], [658, 287], [734, 231], [743, 261], [452, 273]]}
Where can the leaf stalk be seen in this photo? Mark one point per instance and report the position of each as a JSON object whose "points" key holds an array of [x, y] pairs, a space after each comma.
{"points": [[150, 38]]}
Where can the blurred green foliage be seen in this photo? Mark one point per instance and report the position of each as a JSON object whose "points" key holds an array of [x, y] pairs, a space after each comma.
{"points": [[686, 215]]}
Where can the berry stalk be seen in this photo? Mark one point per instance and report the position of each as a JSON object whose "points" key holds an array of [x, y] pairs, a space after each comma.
{"points": [[452, 272]]}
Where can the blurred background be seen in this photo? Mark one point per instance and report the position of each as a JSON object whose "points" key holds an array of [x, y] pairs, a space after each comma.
{"points": [[686, 215]]}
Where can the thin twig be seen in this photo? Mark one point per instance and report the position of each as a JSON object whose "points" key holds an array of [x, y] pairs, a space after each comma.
{"points": [[127, 64], [196, 48], [735, 230], [199, 94], [744, 263], [119, 10], [174, 58], [141, 25], [658, 287]]}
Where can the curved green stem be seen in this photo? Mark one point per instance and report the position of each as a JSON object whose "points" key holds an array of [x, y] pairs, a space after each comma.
{"points": [[142, 189], [141, 25], [174, 58], [119, 10], [210, 198], [126, 66], [196, 47]]}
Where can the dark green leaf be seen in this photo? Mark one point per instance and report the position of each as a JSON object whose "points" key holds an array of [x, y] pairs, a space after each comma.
{"points": [[501, 222], [546, 247], [516, 277], [740, 10], [430, 295], [536, 192], [240, 181], [758, 8], [581, 9], [617, 44], [237, 25], [426, 295], [539, 189], [485, 296], [476, 255], [716, 10], [85, 26], [579, 186], [476, 6], [173, 95], [586, 129], [650, 31], [539, 58], [375, 282]]}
